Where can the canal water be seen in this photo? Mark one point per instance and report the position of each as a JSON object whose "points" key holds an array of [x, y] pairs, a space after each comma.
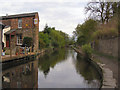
{"points": [[63, 68]]}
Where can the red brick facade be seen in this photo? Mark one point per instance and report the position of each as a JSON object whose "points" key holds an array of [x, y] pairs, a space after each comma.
{"points": [[29, 28]]}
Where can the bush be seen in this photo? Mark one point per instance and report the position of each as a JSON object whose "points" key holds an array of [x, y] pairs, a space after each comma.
{"points": [[41, 44], [87, 50], [102, 33], [27, 41], [55, 44]]}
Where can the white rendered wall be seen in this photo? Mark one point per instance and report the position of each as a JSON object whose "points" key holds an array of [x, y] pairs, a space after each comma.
{"points": [[4, 36]]}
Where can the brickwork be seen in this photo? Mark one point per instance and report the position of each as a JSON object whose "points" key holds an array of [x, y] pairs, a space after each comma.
{"points": [[29, 29], [36, 32]]}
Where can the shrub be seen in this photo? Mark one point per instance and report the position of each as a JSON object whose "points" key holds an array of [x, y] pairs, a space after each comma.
{"points": [[4, 49], [87, 50], [41, 44], [55, 44], [27, 41], [102, 33]]}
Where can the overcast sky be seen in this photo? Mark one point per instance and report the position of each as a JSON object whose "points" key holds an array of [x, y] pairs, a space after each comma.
{"points": [[64, 15]]}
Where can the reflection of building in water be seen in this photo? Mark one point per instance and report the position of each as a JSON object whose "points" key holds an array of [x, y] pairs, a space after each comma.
{"points": [[23, 76]]}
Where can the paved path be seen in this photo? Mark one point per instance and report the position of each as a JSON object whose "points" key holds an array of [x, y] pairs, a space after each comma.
{"points": [[110, 69]]}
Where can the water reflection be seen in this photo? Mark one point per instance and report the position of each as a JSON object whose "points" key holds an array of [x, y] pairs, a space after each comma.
{"points": [[50, 60], [88, 71], [22, 76], [63, 68], [66, 69]]}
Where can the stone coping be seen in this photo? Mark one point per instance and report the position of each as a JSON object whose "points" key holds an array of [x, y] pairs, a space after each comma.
{"points": [[108, 80]]}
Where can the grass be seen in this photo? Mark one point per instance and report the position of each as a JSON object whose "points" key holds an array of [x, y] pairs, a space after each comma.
{"points": [[96, 60]]}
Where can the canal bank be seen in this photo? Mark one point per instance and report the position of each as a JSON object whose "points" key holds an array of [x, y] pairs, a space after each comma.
{"points": [[95, 64], [8, 58], [110, 70], [108, 80]]}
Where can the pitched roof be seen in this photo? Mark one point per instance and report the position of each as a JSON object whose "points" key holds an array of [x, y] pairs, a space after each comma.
{"points": [[18, 15], [10, 31]]}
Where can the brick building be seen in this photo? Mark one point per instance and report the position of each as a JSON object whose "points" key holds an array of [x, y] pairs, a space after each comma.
{"points": [[20, 26]]}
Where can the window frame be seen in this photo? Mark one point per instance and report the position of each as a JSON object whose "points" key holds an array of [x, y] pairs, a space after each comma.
{"points": [[20, 23], [19, 39]]}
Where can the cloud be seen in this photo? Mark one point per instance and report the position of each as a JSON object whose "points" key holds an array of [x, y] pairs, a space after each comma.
{"points": [[62, 14], [58, 1]]}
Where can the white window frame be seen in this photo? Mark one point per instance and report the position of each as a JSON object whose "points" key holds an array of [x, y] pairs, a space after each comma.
{"points": [[20, 23], [19, 40]]}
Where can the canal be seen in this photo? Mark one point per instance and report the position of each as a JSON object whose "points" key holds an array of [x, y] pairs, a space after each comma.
{"points": [[63, 68]]}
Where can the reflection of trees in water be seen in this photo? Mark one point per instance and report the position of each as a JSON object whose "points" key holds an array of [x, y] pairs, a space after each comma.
{"points": [[86, 69], [49, 60]]}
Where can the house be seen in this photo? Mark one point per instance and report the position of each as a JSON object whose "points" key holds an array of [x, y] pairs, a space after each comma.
{"points": [[1, 32], [20, 26], [2, 26]]}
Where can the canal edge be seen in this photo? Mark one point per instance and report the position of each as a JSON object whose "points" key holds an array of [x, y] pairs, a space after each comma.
{"points": [[107, 75], [95, 64], [108, 80]]}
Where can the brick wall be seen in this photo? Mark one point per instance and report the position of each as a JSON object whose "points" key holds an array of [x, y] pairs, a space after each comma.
{"points": [[14, 23], [27, 22], [29, 29], [6, 22], [36, 42]]}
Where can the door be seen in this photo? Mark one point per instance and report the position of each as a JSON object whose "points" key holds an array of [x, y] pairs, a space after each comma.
{"points": [[7, 41]]}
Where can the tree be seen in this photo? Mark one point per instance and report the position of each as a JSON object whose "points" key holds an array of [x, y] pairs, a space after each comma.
{"points": [[52, 38], [41, 44], [57, 39], [85, 31], [102, 10], [44, 40], [47, 29], [96, 9]]}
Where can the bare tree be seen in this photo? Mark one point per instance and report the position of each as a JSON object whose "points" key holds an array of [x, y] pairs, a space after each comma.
{"points": [[101, 10]]}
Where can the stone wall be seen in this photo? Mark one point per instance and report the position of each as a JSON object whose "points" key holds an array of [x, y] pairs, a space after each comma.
{"points": [[108, 46]]}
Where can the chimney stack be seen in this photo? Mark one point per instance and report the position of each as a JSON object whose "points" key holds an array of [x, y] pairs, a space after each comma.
{"points": [[6, 14]]}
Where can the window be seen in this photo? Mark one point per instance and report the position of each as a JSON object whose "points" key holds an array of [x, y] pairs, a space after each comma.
{"points": [[19, 23], [19, 39]]}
